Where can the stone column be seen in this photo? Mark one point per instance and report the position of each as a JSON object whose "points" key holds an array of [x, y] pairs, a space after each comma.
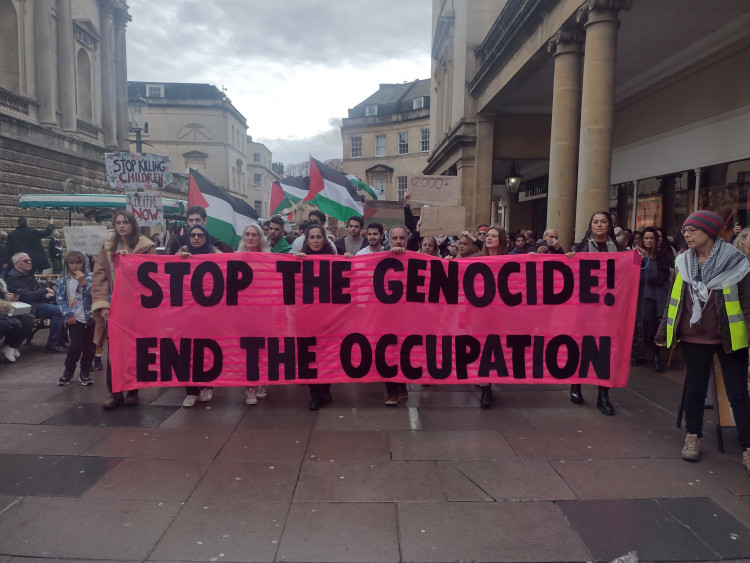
{"points": [[45, 76], [66, 66], [597, 107], [481, 207], [109, 102], [566, 117], [121, 75]]}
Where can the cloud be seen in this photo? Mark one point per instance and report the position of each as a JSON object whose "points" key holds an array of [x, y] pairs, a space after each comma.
{"points": [[323, 146]]}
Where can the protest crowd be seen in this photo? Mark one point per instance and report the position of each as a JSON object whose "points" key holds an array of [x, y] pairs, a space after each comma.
{"points": [[694, 288]]}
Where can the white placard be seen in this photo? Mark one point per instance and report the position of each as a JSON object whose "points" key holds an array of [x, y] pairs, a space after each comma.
{"points": [[87, 239], [434, 190], [147, 208]]}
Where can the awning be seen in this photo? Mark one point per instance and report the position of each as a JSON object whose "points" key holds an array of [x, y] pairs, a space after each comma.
{"points": [[82, 203]]}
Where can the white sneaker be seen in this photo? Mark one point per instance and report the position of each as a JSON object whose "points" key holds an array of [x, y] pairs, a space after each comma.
{"points": [[206, 394], [262, 392], [190, 401], [16, 352], [251, 396], [8, 353]]}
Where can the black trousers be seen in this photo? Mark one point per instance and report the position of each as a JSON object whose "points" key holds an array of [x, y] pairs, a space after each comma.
{"points": [[82, 347], [320, 389], [16, 329], [698, 360]]}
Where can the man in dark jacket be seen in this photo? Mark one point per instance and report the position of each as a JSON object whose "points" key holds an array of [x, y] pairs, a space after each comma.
{"points": [[21, 281], [28, 240], [354, 242]]}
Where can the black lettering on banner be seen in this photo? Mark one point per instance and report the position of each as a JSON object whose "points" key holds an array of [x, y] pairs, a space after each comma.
{"points": [[340, 282], [196, 284], [175, 361], [410, 371], [305, 357], [531, 283], [553, 353], [488, 280], [252, 346], [322, 282], [144, 358], [287, 271], [446, 353], [381, 366], [157, 295], [587, 281], [609, 298], [395, 288], [442, 283], [518, 344], [200, 374], [537, 359], [549, 269], [276, 357], [468, 349], [176, 272], [493, 358], [510, 299], [239, 277], [414, 280], [596, 357], [365, 354]]}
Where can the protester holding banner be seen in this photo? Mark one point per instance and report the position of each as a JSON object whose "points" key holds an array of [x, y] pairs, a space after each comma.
{"points": [[708, 312], [254, 241], [466, 247], [394, 391], [198, 242], [316, 243], [598, 238], [429, 245], [124, 240]]}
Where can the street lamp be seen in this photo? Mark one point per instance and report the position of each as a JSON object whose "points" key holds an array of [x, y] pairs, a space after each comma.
{"points": [[513, 178], [137, 110]]}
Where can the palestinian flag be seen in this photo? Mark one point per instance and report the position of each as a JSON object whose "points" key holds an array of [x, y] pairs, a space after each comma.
{"points": [[286, 192], [227, 216], [357, 183], [331, 192]]}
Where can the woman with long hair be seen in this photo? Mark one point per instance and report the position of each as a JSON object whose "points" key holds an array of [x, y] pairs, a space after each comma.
{"points": [[429, 245], [315, 242], [598, 238], [742, 242], [467, 247], [254, 241], [652, 297], [124, 240]]}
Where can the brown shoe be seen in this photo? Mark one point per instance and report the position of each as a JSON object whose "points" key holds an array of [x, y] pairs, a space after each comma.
{"points": [[115, 400], [392, 399], [131, 399]]}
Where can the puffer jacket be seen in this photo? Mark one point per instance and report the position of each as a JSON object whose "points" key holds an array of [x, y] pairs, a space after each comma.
{"points": [[81, 293]]}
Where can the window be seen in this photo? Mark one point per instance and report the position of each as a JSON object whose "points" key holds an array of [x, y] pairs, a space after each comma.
{"points": [[355, 147], [257, 180], [401, 187], [424, 140], [259, 207], [256, 157], [371, 109], [379, 145], [403, 142], [378, 185], [154, 91], [417, 103]]}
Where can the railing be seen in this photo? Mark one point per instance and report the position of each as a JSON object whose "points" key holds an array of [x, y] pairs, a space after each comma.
{"points": [[87, 129], [13, 102]]}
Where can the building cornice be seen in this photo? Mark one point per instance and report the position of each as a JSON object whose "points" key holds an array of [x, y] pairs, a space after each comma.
{"points": [[458, 137]]}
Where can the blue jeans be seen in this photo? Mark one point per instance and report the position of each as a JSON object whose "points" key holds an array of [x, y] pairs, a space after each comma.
{"points": [[52, 312]]}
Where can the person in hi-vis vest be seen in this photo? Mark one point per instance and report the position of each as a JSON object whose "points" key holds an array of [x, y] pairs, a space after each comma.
{"points": [[708, 311]]}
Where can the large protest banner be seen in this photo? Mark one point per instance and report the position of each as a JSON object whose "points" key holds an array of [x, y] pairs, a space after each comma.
{"points": [[255, 318]]}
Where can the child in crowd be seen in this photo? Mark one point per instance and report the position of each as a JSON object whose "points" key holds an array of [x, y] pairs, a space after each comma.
{"points": [[74, 300]]}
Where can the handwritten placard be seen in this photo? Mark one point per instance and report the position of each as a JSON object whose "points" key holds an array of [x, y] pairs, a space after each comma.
{"points": [[147, 208], [87, 239], [442, 220], [138, 171], [435, 190]]}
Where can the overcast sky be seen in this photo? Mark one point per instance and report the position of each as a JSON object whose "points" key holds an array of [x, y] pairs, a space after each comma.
{"points": [[292, 67]]}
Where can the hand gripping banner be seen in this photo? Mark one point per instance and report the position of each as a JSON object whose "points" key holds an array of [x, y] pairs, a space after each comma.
{"points": [[259, 318]]}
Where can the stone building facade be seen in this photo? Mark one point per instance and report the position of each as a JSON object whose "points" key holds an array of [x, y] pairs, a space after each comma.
{"points": [[260, 176], [63, 98]]}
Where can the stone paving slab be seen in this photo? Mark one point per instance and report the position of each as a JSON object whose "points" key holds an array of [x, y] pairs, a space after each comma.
{"points": [[49, 440], [441, 445], [91, 414], [352, 445], [582, 442], [374, 418], [249, 482], [163, 443], [29, 412]]}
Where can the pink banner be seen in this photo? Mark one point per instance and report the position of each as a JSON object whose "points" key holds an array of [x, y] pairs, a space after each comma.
{"points": [[254, 318]]}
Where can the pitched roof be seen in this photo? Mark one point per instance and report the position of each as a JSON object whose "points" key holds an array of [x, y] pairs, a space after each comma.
{"points": [[394, 98]]}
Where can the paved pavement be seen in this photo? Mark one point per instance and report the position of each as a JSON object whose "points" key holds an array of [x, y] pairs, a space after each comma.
{"points": [[536, 478]]}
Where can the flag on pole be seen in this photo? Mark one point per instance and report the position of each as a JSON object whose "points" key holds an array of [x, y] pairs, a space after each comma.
{"points": [[329, 190], [227, 216], [287, 191], [357, 183]]}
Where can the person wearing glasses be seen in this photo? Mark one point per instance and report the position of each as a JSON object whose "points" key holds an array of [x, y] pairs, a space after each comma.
{"points": [[198, 242], [708, 312], [124, 240]]}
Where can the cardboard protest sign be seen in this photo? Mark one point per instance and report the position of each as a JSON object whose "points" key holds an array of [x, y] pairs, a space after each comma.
{"points": [[87, 239], [435, 190], [260, 318], [138, 171], [442, 221], [147, 208]]}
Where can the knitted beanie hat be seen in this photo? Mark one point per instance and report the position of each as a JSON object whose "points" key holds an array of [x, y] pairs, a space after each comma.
{"points": [[707, 221]]}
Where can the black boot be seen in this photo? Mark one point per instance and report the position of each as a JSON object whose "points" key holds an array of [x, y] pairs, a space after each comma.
{"points": [[575, 394], [486, 400], [602, 402], [115, 400], [658, 365]]}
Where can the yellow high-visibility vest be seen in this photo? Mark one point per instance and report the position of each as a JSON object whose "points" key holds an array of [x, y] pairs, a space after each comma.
{"points": [[737, 326]]}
